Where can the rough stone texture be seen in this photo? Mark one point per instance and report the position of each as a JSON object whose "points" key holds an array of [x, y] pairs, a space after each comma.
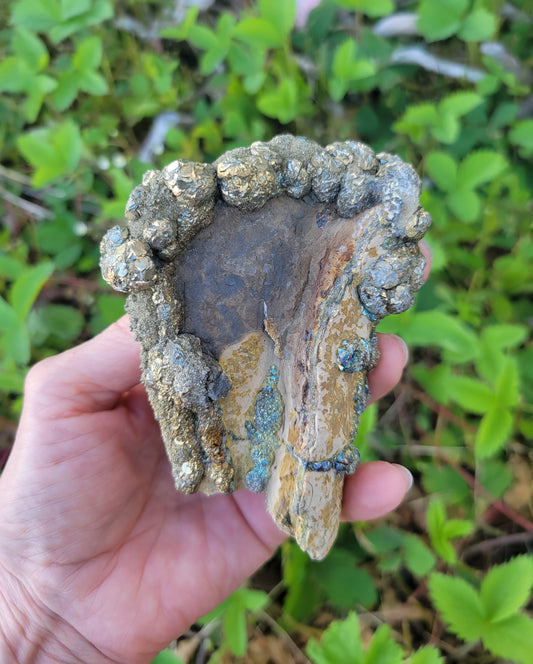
{"points": [[254, 288]]}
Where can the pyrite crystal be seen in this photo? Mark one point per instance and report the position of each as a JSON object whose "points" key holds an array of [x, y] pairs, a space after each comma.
{"points": [[254, 288]]}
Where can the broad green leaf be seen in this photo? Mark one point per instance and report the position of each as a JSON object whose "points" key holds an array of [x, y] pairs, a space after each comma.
{"points": [[439, 19], [58, 320], [445, 481], [442, 168], [42, 85], [479, 25], [93, 83], [99, 11], [38, 15], [235, 628], [459, 605], [480, 167], [418, 557], [370, 7], [340, 643], [458, 104], [53, 151], [494, 431], [71, 8], [447, 129], [472, 394], [15, 75], [259, 32], [385, 538], [14, 339], [67, 89], [508, 384], [88, 54], [167, 657], [522, 134], [27, 286], [464, 203], [253, 600], [426, 655], [511, 638], [383, 648], [303, 595], [280, 13], [436, 328], [280, 103], [30, 48], [504, 336], [494, 475], [506, 588], [344, 583], [10, 267], [11, 377], [454, 528]]}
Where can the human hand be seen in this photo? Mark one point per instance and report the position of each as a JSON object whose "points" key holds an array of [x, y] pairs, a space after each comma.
{"points": [[101, 559]]}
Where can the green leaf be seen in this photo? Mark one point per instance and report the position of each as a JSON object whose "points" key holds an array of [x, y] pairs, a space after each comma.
{"points": [[383, 648], [418, 558], [479, 25], [38, 15], [464, 203], [259, 32], [454, 528], [99, 11], [15, 75], [511, 638], [442, 168], [472, 394], [436, 328], [439, 19], [67, 89], [459, 605], [345, 584], [340, 643], [88, 54], [10, 267], [458, 104], [494, 431], [426, 655], [504, 336], [71, 8], [93, 83], [508, 384], [42, 85], [53, 151], [522, 134], [280, 13], [280, 103], [14, 340], [372, 8], [58, 320], [235, 628], [29, 47], [480, 167], [26, 288], [506, 588], [167, 657]]}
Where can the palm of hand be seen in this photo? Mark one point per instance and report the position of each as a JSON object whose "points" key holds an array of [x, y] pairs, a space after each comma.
{"points": [[92, 519]]}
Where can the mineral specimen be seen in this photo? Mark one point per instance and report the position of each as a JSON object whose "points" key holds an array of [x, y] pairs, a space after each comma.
{"points": [[254, 288]]}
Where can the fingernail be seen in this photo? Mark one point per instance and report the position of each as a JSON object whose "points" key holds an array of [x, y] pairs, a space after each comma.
{"points": [[405, 350], [408, 476]]}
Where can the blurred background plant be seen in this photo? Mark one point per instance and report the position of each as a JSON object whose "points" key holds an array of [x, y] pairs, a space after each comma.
{"points": [[94, 92]]}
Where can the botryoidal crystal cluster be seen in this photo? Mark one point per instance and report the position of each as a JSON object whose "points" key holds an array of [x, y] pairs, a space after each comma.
{"points": [[255, 285]]}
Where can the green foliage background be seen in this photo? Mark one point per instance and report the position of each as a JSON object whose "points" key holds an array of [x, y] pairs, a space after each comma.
{"points": [[81, 85]]}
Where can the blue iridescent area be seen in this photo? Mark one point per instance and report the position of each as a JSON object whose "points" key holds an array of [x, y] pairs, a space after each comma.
{"points": [[357, 355], [263, 431], [344, 462]]}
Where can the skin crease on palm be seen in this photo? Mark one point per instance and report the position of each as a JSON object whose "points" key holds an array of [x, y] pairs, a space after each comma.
{"points": [[101, 559]]}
